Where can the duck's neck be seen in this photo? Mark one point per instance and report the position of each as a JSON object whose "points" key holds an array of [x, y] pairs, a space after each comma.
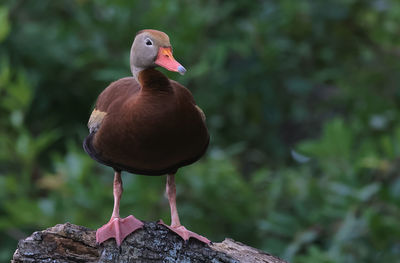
{"points": [[135, 72], [153, 80]]}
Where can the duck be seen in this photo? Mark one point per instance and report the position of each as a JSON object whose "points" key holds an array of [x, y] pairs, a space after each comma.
{"points": [[146, 124]]}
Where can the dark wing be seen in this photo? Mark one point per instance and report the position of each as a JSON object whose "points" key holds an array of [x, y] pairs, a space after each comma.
{"points": [[114, 95], [188, 95]]}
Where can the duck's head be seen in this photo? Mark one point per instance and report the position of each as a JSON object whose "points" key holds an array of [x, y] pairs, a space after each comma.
{"points": [[152, 48]]}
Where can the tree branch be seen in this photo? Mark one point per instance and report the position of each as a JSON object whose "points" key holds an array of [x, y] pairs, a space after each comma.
{"points": [[154, 243]]}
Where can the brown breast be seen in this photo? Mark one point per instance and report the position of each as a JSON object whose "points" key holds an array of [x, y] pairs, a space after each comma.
{"points": [[151, 130]]}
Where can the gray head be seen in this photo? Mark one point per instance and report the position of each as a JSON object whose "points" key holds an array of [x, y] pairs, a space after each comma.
{"points": [[152, 48]]}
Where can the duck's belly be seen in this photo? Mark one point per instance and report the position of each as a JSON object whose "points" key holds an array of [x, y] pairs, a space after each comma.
{"points": [[152, 148]]}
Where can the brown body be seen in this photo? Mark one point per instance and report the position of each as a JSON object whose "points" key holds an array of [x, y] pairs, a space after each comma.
{"points": [[151, 129]]}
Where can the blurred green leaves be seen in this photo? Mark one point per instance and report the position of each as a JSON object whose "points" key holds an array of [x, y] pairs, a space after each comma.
{"points": [[4, 23], [301, 99]]}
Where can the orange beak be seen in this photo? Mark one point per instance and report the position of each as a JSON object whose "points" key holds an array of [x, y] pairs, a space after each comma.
{"points": [[166, 60]]}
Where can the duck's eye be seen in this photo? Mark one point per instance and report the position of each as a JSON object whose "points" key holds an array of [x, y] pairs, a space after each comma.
{"points": [[148, 42]]}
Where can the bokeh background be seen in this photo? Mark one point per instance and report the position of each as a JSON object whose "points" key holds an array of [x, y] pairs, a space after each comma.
{"points": [[302, 103]]}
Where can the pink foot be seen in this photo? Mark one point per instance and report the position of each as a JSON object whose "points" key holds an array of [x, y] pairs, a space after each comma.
{"points": [[118, 228], [185, 234]]}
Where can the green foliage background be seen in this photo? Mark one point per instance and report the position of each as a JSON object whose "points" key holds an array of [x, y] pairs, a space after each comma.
{"points": [[302, 100]]}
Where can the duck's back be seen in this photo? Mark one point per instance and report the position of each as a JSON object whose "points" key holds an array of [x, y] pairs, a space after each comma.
{"points": [[117, 93], [151, 133]]}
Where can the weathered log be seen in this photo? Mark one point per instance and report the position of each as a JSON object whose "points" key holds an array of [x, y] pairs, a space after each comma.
{"points": [[154, 243]]}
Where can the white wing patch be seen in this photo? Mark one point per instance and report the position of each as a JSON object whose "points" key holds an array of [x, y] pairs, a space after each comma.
{"points": [[95, 120]]}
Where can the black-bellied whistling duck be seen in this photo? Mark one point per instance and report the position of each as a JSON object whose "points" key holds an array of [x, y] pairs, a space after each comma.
{"points": [[146, 124]]}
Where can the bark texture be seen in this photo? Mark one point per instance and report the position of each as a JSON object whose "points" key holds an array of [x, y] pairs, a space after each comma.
{"points": [[154, 243]]}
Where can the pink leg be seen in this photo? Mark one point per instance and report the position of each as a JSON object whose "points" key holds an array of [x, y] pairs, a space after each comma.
{"points": [[117, 228], [175, 223]]}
